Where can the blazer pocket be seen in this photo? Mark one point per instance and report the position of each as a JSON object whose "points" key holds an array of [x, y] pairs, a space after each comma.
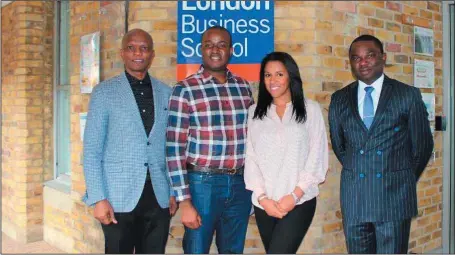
{"points": [[113, 166], [163, 114], [399, 174], [396, 171]]}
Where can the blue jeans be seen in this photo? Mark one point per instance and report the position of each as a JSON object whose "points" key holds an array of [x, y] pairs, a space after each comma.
{"points": [[224, 206]]}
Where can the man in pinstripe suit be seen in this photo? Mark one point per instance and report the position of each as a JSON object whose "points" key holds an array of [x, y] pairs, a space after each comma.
{"points": [[380, 133]]}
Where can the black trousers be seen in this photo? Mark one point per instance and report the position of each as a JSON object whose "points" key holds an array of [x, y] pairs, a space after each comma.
{"points": [[143, 230], [285, 235]]}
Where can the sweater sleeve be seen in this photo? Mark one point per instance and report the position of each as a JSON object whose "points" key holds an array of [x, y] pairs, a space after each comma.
{"points": [[254, 180], [316, 166]]}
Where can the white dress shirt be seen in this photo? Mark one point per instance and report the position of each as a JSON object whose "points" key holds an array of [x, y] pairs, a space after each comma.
{"points": [[283, 154], [375, 94]]}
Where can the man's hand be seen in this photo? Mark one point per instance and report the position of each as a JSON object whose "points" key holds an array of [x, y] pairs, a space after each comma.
{"points": [[190, 217], [104, 213], [286, 203], [271, 208], [173, 206]]}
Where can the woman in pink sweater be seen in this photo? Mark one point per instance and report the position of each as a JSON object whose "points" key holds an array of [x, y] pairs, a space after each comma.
{"points": [[287, 155]]}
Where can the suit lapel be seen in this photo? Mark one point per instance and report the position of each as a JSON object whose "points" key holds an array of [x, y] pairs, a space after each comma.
{"points": [[158, 102], [353, 99], [386, 92], [130, 103]]}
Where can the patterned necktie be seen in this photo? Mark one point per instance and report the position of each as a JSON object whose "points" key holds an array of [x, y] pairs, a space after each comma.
{"points": [[368, 108]]}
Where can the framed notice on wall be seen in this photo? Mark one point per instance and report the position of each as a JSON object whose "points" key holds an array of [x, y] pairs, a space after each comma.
{"points": [[428, 99], [423, 74], [82, 121], [90, 62], [423, 41]]}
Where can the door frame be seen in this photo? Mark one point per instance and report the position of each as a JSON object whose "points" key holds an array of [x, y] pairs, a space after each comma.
{"points": [[448, 211]]}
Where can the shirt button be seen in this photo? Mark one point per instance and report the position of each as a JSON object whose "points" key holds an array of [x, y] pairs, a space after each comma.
{"points": [[140, 82], [379, 153], [396, 129], [362, 152], [142, 93], [362, 175], [143, 110], [146, 164], [148, 143], [378, 175]]}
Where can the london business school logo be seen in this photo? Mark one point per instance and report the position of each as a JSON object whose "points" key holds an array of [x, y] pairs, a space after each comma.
{"points": [[251, 24]]}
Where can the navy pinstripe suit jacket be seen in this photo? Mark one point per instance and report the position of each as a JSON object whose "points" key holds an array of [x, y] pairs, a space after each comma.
{"points": [[381, 165]]}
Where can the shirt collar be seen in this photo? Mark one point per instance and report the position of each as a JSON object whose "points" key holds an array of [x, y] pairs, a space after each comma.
{"points": [[206, 76], [377, 84], [134, 80]]}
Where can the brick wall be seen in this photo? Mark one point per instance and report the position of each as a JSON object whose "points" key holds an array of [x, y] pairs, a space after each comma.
{"points": [[317, 34], [26, 116], [57, 220]]}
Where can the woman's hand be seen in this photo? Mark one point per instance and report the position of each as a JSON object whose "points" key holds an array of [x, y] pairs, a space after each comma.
{"points": [[286, 203], [271, 208]]}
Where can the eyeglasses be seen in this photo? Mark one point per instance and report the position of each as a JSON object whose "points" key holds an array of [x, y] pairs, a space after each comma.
{"points": [[133, 49], [369, 56]]}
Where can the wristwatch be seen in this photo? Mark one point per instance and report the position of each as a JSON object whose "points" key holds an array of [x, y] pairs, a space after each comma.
{"points": [[296, 198]]}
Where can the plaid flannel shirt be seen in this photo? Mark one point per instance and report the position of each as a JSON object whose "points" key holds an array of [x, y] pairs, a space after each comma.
{"points": [[207, 126]]}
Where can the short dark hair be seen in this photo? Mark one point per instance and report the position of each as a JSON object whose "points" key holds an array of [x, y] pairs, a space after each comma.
{"points": [[295, 86], [368, 38], [220, 28]]}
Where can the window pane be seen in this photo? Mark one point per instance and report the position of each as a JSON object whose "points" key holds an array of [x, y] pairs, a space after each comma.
{"points": [[63, 133]]}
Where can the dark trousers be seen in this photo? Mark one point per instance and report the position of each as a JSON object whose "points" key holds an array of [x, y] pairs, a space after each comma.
{"points": [[285, 235], [143, 230], [391, 237]]}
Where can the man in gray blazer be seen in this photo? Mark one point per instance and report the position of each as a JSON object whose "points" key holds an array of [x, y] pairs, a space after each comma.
{"points": [[381, 135], [124, 154]]}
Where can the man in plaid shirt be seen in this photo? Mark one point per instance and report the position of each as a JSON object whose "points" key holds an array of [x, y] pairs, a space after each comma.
{"points": [[205, 149]]}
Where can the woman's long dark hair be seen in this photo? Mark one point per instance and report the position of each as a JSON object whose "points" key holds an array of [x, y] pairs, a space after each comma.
{"points": [[295, 86]]}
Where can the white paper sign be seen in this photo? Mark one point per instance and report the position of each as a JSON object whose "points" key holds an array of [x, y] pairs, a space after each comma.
{"points": [[428, 99], [82, 121], [423, 74]]}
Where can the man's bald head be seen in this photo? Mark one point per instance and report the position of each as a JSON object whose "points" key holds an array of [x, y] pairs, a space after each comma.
{"points": [[137, 52], [137, 32]]}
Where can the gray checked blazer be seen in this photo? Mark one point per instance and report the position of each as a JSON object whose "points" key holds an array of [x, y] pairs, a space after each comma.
{"points": [[117, 151]]}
